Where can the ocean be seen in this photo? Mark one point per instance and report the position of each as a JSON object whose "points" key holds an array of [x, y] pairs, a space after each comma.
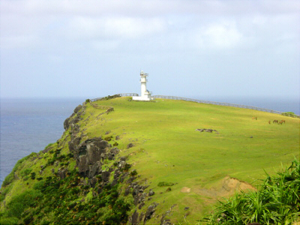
{"points": [[29, 125]]}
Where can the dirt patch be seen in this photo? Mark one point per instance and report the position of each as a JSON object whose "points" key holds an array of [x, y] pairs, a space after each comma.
{"points": [[185, 190], [228, 187]]}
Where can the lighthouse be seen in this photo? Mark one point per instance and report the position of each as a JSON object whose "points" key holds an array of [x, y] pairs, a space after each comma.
{"points": [[145, 94]]}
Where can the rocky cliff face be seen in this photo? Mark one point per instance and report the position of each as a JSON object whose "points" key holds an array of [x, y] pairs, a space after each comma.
{"points": [[90, 156], [100, 187]]}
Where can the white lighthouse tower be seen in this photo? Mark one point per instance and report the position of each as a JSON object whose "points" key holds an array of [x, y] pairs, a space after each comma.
{"points": [[145, 94]]}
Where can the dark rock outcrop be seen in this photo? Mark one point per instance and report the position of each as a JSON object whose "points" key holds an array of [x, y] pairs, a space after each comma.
{"points": [[150, 211], [207, 130]]}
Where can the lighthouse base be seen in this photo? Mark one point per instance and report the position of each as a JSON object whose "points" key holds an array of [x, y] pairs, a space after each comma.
{"points": [[142, 98]]}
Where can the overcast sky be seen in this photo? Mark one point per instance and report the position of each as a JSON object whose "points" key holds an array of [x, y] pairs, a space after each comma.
{"points": [[201, 48]]}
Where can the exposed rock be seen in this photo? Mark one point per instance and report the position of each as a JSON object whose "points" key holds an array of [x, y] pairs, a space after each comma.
{"points": [[88, 155], [127, 191], [150, 211], [151, 192], [130, 145], [122, 164], [94, 169], [141, 217], [105, 176], [134, 218], [82, 164], [110, 110], [166, 222], [66, 123], [56, 163], [141, 205], [78, 108], [73, 144], [93, 181], [62, 173], [207, 130], [115, 151]]}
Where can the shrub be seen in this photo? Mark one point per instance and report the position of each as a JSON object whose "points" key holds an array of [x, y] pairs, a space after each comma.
{"points": [[33, 175], [39, 185], [20, 202], [163, 184], [276, 202], [25, 172], [108, 138], [8, 220], [133, 173], [10, 177], [4, 191], [291, 114]]}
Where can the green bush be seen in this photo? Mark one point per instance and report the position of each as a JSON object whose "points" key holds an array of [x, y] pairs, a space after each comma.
{"points": [[163, 184], [20, 202], [32, 175], [8, 220], [10, 177], [4, 191], [25, 172], [133, 173], [291, 114], [108, 138], [39, 185]]}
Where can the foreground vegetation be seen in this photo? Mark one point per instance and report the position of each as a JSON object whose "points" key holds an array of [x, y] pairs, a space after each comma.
{"points": [[276, 202], [187, 170]]}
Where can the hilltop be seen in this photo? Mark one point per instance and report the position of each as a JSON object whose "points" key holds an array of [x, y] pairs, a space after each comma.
{"points": [[160, 161]]}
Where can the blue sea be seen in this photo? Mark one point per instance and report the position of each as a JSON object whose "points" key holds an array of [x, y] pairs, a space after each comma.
{"points": [[29, 125]]}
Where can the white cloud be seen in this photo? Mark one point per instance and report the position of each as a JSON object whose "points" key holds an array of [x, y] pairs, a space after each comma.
{"points": [[173, 20], [224, 35], [114, 27]]}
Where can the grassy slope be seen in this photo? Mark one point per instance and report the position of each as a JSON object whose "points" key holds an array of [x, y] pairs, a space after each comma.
{"points": [[167, 147]]}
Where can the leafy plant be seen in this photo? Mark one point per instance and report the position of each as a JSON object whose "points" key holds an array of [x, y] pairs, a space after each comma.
{"points": [[163, 184], [277, 202], [25, 172]]}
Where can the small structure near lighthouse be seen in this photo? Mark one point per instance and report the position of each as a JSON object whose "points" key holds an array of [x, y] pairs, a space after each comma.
{"points": [[145, 94]]}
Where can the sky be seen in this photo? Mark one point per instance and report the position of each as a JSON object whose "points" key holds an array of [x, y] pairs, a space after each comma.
{"points": [[189, 48]]}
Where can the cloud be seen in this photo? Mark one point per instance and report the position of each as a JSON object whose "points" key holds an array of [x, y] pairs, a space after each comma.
{"points": [[114, 27], [218, 36], [203, 24]]}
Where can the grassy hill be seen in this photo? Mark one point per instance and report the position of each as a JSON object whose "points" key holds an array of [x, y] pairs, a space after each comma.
{"points": [[187, 169]]}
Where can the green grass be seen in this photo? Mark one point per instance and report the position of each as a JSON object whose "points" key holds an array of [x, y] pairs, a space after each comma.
{"points": [[167, 147]]}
